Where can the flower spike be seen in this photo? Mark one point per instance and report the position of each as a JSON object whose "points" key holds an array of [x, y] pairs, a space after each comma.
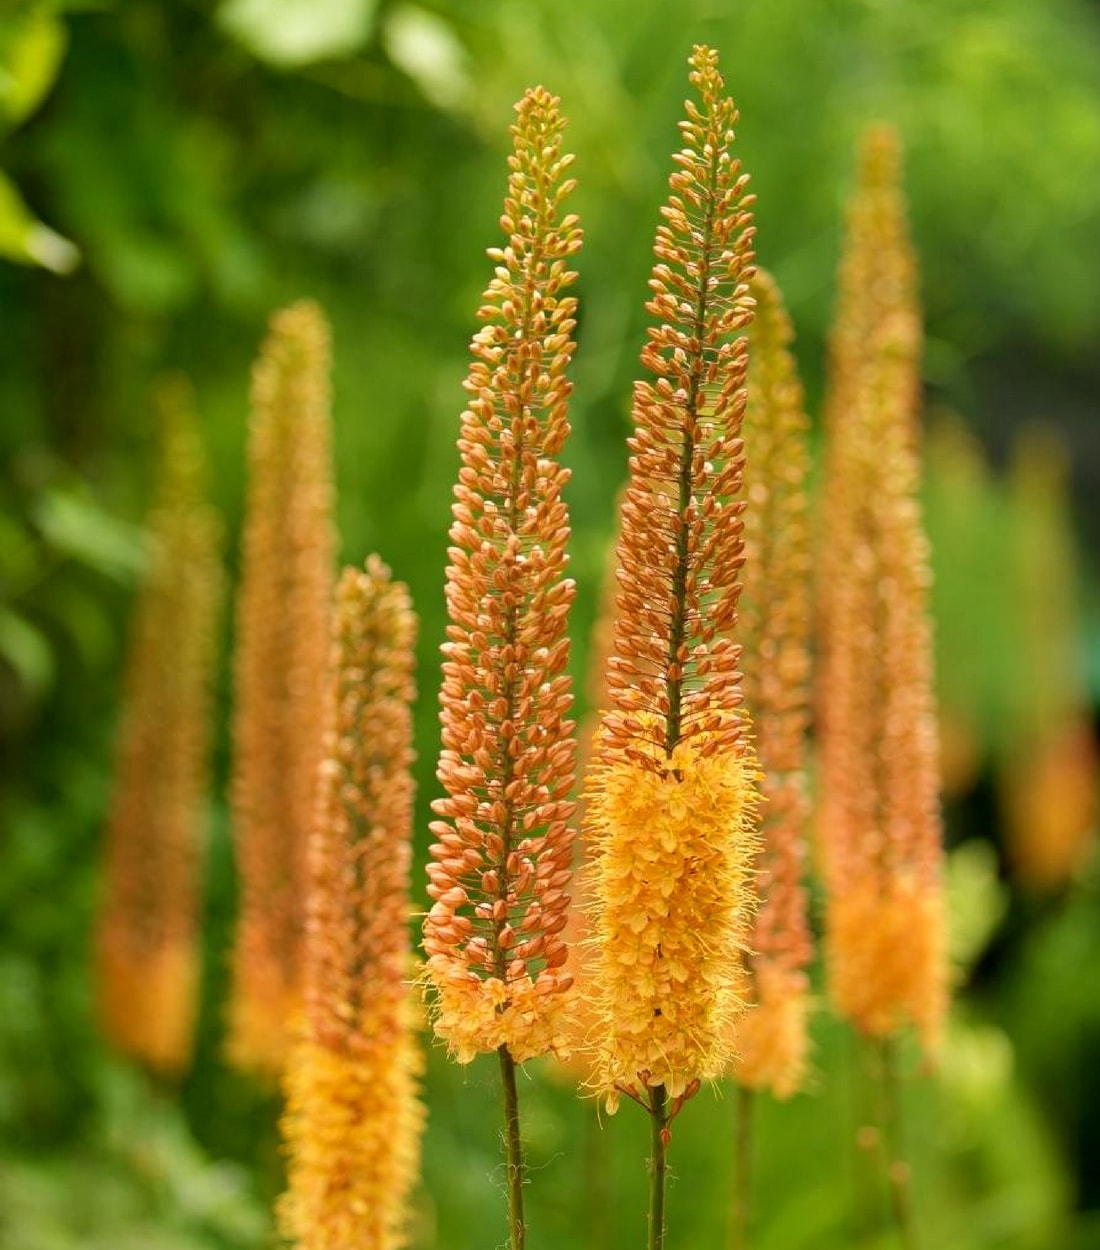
{"points": [[775, 631], [354, 1118], [149, 952], [502, 860], [880, 819], [670, 800], [281, 676]]}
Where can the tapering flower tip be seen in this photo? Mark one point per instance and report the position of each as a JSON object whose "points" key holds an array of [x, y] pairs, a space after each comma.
{"points": [[670, 804], [501, 866], [354, 1118], [881, 824], [674, 668], [281, 669], [673, 846], [774, 628], [148, 946]]}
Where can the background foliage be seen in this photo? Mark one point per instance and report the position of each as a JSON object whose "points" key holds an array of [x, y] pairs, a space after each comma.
{"points": [[170, 171]]}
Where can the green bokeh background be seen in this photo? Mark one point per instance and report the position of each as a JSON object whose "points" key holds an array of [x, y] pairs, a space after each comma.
{"points": [[170, 172]]}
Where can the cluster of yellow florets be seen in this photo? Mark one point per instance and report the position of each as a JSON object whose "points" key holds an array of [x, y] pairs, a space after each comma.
{"points": [[354, 1121], [474, 1015], [772, 1038], [673, 848], [886, 955]]}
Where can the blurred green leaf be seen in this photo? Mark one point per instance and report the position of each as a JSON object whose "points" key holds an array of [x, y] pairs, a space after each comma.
{"points": [[290, 33], [27, 651], [24, 238], [79, 528], [426, 48], [32, 46]]}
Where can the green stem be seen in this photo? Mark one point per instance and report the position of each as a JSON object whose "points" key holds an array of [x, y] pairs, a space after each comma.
{"points": [[513, 1147], [741, 1206], [657, 1168], [894, 1165]]}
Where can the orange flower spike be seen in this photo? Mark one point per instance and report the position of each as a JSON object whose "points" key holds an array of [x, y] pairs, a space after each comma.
{"points": [[774, 628], [670, 803], [881, 826], [354, 1117], [502, 863], [149, 953], [283, 617]]}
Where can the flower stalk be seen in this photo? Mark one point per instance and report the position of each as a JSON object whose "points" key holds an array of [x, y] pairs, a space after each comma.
{"points": [[670, 800], [502, 862]]}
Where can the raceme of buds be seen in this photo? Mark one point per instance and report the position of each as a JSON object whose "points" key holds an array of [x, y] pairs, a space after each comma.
{"points": [[281, 675], [501, 865]]}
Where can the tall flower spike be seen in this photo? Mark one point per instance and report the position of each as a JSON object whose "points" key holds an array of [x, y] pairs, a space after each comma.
{"points": [[354, 1117], [775, 632], [502, 863], [283, 614], [149, 952], [881, 833], [670, 801]]}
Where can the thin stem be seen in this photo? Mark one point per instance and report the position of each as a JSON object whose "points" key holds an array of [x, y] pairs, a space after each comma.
{"points": [[741, 1206], [657, 1168], [895, 1167], [513, 1146]]}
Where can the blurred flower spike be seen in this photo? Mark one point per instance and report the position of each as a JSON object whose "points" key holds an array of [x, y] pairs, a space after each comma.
{"points": [[880, 819]]}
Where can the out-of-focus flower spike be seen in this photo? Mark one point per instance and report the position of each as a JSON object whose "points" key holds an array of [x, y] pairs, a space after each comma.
{"points": [[880, 820], [774, 630], [281, 677], [149, 953], [354, 1117]]}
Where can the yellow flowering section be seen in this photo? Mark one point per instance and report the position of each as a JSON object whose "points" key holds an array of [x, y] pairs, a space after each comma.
{"points": [[474, 1016], [674, 843], [772, 1035], [887, 961], [356, 1121]]}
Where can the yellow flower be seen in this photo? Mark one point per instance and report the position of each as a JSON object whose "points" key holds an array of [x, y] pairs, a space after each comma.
{"points": [[673, 843]]}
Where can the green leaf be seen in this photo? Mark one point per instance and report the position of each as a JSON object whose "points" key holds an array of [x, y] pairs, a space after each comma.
{"points": [[426, 48], [289, 33], [26, 651], [79, 528], [25, 239], [32, 46]]}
